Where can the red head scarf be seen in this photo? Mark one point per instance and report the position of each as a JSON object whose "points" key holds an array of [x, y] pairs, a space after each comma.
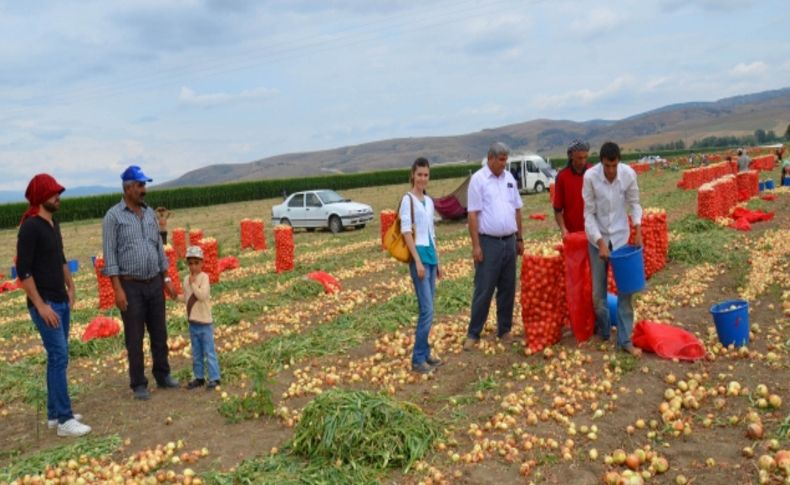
{"points": [[39, 190]]}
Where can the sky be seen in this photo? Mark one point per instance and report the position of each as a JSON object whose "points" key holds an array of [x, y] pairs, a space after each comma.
{"points": [[89, 87]]}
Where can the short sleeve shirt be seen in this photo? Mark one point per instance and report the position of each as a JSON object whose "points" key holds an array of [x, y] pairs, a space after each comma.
{"points": [[496, 199]]}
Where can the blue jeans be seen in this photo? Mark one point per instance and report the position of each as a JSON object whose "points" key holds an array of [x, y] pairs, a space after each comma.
{"points": [[425, 289], [56, 343], [625, 309], [202, 337]]}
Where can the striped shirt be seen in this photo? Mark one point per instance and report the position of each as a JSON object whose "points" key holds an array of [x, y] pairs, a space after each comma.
{"points": [[132, 245]]}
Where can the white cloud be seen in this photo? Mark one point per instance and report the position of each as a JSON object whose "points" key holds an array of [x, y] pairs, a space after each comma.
{"points": [[599, 21], [751, 69], [709, 5], [189, 96], [586, 96]]}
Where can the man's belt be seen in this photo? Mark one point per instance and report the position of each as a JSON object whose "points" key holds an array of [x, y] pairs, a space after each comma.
{"points": [[501, 238], [135, 279]]}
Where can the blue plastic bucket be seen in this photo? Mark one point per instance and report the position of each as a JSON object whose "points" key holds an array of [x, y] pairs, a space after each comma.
{"points": [[731, 318], [611, 302], [74, 265], [13, 272], [628, 267], [769, 184], [786, 182], [761, 185]]}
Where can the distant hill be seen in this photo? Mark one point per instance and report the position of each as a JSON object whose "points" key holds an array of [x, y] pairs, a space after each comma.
{"points": [[8, 196], [739, 115]]}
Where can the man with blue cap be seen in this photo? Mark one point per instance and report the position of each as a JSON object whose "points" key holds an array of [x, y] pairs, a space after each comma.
{"points": [[135, 261]]}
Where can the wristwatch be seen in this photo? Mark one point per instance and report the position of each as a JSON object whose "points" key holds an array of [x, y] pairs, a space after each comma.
{"points": [[167, 279]]}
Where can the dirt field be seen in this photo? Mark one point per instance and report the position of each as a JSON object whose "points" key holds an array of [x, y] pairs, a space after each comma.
{"points": [[507, 417]]}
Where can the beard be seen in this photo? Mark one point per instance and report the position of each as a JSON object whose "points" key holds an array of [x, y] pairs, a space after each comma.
{"points": [[50, 206]]}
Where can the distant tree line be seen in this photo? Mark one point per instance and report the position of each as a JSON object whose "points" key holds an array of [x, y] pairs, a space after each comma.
{"points": [[760, 137]]}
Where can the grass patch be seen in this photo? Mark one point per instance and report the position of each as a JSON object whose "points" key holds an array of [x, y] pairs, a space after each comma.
{"points": [[250, 405], [700, 241], [305, 288], [361, 428], [625, 362], [24, 380], [287, 469], [35, 463]]}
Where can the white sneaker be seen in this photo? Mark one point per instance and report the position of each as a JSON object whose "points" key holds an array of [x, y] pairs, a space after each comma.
{"points": [[53, 423], [72, 427]]}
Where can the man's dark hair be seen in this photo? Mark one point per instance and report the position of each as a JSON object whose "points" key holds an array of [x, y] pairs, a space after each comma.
{"points": [[609, 151]]}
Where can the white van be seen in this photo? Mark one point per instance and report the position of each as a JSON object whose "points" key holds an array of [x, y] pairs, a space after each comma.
{"points": [[531, 171]]}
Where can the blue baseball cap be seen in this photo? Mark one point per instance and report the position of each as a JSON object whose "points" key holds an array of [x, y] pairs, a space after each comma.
{"points": [[135, 173]]}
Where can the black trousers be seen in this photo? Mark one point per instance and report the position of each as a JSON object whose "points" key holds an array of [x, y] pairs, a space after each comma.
{"points": [[496, 272], [145, 310]]}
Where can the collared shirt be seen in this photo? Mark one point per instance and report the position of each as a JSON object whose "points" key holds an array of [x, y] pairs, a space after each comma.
{"points": [[39, 254], [496, 199], [132, 245], [568, 197], [605, 205]]}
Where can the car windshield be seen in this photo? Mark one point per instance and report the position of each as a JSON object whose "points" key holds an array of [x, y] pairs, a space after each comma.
{"points": [[330, 196]]}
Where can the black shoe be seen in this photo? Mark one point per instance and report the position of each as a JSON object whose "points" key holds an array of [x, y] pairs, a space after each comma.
{"points": [[167, 383], [212, 385], [433, 361], [195, 383], [141, 393]]}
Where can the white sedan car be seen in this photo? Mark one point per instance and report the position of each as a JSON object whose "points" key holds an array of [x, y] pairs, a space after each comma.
{"points": [[321, 208]]}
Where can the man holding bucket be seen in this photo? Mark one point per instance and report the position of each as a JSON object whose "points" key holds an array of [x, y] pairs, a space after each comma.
{"points": [[609, 189]]}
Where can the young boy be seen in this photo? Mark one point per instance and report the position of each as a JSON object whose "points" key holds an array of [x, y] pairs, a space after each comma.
{"points": [[201, 331], [610, 190]]}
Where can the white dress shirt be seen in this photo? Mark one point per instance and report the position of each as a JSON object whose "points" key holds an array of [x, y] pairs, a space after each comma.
{"points": [[605, 205], [496, 199], [423, 219]]}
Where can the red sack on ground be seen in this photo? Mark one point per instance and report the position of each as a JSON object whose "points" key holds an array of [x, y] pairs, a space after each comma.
{"points": [[751, 215], [228, 263], [741, 224], [328, 281], [667, 341], [578, 283], [538, 216], [769, 197], [101, 327]]}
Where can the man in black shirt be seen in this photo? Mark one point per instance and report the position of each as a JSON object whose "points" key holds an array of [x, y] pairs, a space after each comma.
{"points": [[46, 279]]}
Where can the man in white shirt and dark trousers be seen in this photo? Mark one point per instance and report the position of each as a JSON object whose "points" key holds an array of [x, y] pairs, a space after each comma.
{"points": [[609, 189], [494, 207]]}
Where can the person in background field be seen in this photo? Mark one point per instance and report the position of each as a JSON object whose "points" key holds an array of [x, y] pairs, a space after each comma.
{"points": [[743, 160], [135, 261], [163, 215], [784, 165], [197, 294], [46, 279], [568, 201], [494, 206], [610, 188], [424, 267]]}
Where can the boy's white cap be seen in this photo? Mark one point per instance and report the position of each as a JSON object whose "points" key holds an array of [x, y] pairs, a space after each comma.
{"points": [[194, 252]]}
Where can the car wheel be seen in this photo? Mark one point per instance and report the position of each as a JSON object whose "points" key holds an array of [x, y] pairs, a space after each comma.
{"points": [[539, 187], [360, 226], [335, 224], [285, 221]]}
